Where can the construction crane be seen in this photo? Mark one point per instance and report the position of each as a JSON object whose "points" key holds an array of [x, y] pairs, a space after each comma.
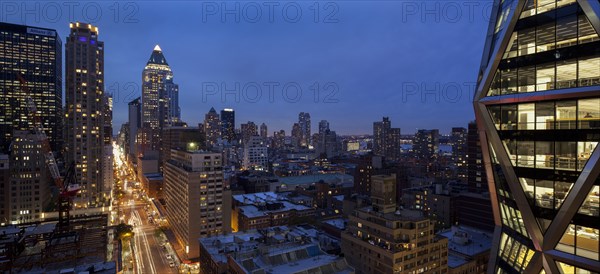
{"points": [[67, 186]]}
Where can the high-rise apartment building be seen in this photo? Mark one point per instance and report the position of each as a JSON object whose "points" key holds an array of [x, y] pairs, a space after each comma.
{"points": [[426, 144], [278, 139], [159, 96], [86, 107], [256, 156], [386, 140], [476, 175], [537, 106], [36, 54], [304, 123], [248, 130], [194, 196], [212, 127], [228, 124], [458, 138], [383, 239], [296, 135]]}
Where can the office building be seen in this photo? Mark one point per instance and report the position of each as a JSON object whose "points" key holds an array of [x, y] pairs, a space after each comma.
{"points": [[537, 105], [186, 138], [383, 239], [212, 127], [327, 144], [86, 107], [135, 123], [4, 186], [159, 94], [323, 126], [228, 124], [36, 54], [193, 182], [29, 186], [107, 153], [386, 140]]}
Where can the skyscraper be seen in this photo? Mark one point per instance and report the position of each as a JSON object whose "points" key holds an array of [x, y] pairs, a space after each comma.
{"points": [[476, 175], [107, 162], [459, 151], [426, 144], [35, 53], [135, 123], [278, 139], [212, 127], [296, 135], [304, 123], [537, 106], [228, 124], [386, 140], [159, 99], [85, 111], [256, 155], [263, 131], [28, 188], [248, 130], [323, 126]]}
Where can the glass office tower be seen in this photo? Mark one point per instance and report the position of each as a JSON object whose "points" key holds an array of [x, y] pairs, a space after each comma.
{"points": [[538, 110], [36, 54]]}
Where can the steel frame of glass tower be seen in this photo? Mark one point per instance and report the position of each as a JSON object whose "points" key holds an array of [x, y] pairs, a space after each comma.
{"points": [[537, 105]]}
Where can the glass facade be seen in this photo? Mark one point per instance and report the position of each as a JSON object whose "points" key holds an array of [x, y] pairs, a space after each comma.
{"points": [[36, 54], [541, 145]]}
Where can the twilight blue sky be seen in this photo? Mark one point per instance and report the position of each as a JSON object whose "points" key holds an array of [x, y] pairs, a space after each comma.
{"points": [[368, 58]]}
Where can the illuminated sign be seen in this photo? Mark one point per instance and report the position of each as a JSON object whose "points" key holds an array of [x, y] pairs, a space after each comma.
{"points": [[41, 32]]}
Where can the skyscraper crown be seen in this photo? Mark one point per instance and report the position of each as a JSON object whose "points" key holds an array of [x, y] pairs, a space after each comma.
{"points": [[157, 57]]}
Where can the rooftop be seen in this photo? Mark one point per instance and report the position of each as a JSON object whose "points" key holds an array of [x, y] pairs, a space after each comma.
{"points": [[333, 178], [398, 215], [338, 223], [465, 242], [280, 249], [153, 176]]}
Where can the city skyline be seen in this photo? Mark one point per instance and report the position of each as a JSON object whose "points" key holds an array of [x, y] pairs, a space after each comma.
{"points": [[212, 54], [443, 137]]}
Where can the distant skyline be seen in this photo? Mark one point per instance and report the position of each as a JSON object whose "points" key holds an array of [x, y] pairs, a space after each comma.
{"points": [[370, 59]]}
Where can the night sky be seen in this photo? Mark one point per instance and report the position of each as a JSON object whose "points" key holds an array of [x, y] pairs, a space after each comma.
{"points": [[364, 59]]}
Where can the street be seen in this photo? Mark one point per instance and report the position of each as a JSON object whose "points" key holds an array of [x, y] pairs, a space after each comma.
{"points": [[151, 251]]}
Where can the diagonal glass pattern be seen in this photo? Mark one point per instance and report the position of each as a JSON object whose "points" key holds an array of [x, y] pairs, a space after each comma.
{"points": [[549, 138]]}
